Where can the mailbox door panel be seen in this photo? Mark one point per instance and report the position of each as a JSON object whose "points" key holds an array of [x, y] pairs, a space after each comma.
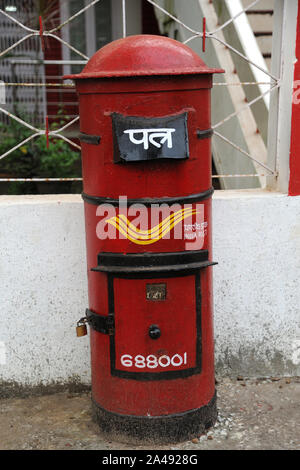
{"points": [[157, 328], [117, 391]]}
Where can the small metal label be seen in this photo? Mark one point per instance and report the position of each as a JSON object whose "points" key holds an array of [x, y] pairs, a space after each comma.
{"points": [[139, 138], [156, 292]]}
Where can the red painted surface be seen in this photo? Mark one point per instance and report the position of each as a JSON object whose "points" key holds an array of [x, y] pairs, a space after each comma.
{"points": [[147, 96], [204, 33], [294, 183], [160, 397], [142, 56], [130, 335], [97, 217], [147, 179], [41, 34]]}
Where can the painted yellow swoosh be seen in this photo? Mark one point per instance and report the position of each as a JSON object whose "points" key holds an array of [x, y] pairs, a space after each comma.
{"points": [[158, 226], [128, 227], [147, 237]]}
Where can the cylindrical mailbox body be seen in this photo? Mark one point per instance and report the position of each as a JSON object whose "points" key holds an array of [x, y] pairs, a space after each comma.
{"points": [[145, 136]]}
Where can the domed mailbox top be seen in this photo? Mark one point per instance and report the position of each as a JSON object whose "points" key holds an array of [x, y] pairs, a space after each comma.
{"points": [[144, 55]]}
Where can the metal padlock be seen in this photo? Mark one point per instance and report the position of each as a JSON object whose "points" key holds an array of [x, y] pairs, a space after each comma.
{"points": [[81, 329]]}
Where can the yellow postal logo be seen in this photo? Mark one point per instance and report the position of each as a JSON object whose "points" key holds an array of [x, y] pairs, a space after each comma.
{"points": [[147, 237]]}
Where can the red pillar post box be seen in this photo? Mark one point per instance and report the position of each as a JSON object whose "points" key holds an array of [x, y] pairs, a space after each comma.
{"points": [[146, 155]]}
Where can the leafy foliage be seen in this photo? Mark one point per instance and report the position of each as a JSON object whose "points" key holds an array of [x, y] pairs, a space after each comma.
{"points": [[33, 159]]}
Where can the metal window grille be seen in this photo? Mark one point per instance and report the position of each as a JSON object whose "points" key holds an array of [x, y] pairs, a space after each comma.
{"points": [[29, 89]]}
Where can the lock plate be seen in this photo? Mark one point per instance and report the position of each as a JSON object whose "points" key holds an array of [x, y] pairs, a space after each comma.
{"points": [[101, 323], [156, 292]]}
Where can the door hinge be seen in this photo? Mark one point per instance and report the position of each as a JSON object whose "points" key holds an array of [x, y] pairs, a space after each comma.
{"points": [[102, 323]]}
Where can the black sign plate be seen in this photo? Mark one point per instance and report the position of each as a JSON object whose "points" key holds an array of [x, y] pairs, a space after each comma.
{"points": [[139, 138]]}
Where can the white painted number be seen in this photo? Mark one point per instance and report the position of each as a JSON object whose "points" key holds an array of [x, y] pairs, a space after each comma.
{"points": [[162, 359], [140, 362], [152, 362], [126, 360]]}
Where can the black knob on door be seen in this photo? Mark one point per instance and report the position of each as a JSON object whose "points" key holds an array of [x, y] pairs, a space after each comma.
{"points": [[154, 332]]}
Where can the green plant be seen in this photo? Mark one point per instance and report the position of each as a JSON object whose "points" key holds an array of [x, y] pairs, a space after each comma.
{"points": [[34, 159]]}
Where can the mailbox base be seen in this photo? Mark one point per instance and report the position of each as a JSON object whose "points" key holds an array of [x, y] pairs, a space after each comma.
{"points": [[155, 429]]}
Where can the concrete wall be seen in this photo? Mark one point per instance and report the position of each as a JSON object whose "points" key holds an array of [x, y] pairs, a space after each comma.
{"points": [[43, 288], [256, 284]]}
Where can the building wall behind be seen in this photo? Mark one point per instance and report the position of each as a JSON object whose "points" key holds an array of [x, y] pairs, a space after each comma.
{"points": [[43, 288]]}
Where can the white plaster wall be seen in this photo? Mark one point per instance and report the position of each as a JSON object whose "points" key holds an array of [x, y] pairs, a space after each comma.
{"points": [[43, 287], [257, 283]]}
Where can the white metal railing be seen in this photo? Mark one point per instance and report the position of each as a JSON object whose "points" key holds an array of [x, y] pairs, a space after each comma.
{"points": [[274, 83]]}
